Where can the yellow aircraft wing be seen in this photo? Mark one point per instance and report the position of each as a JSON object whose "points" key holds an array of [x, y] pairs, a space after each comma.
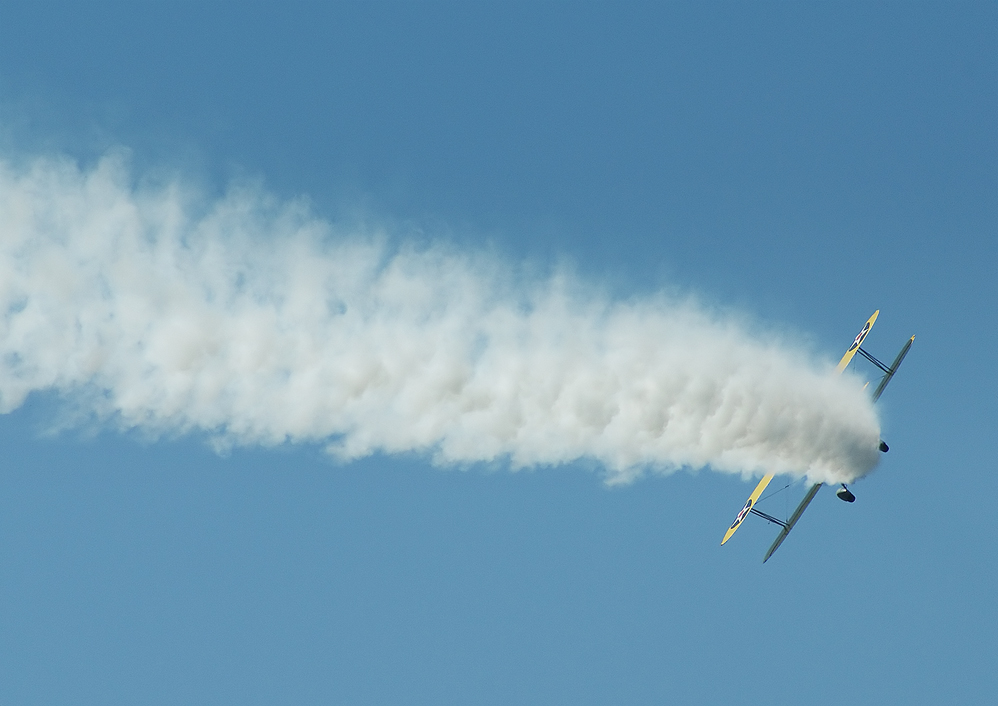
{"points": [[749, 504], [858, 342]]}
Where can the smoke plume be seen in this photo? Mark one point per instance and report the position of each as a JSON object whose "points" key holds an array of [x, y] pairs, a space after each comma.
{"points": [[255, 322]]}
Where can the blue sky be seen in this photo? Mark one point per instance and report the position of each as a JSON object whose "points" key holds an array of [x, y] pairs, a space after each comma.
{"points": [[800, 165]]}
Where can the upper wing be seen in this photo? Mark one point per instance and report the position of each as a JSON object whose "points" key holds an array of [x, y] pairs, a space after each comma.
{"points": [[749, 504], [858, 342]]}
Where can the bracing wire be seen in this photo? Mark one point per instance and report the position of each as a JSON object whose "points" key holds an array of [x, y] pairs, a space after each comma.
{"points": [[786, 504], [775, 492]]}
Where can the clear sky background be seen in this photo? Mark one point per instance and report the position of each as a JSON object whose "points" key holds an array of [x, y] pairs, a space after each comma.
{"points": [[804, 163]]}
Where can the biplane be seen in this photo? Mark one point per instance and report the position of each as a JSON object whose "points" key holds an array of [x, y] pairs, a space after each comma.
{"points": [[843, 492]]}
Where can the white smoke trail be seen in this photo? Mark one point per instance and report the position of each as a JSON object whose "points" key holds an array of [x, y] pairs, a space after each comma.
{"points": [[253, 321]]}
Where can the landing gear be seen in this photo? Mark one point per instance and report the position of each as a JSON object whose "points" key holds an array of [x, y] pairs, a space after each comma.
{"points": [[845, 494], [883, 446]]}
